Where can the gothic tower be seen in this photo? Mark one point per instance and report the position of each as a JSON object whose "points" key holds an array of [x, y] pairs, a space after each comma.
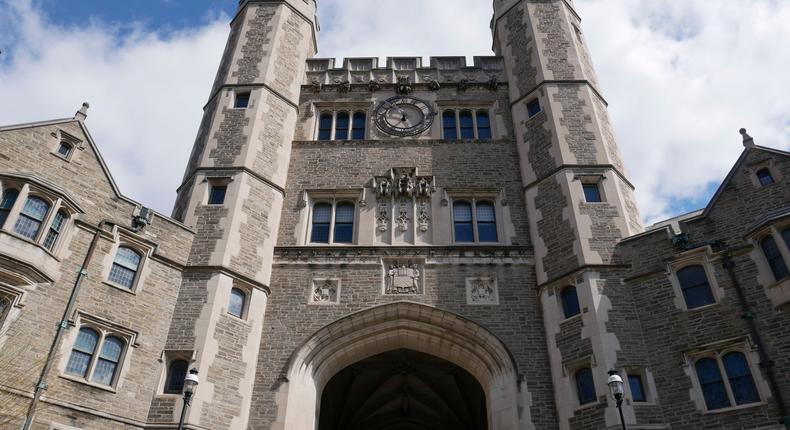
{"points": [[579, 199], [232, 196]]}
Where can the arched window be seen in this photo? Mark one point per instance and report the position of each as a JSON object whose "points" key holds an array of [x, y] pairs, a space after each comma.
{"points": [[696, 289], [585, 386], [467, 125], [448, 125], [712, 384], [344, 223], [107, 364], [774, 257], [740, 378], [9, 198], [483, 126], [176, 373], [325, 127], [55, 229], [124, 267], [462, 219], [765, 177], [341, 126], [31, 217], [358, 126], [236, 302], [570, 302], [82, 353], [486, 222], [64, 149], [322, 219]]}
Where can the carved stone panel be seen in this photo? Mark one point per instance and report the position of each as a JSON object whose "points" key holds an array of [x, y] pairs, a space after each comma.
{"points": [[325, 292], [403, 277], [482, 291]]}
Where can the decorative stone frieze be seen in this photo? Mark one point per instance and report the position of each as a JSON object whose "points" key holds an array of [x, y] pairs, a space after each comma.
{"points": [[402, 277]]}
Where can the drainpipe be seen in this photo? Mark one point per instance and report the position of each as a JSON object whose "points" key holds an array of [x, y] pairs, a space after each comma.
{"points": [[63, 324], [765, 361]]}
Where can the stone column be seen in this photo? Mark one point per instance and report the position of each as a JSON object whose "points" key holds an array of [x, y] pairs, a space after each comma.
{"points": [[567, 143], [247, 150]]}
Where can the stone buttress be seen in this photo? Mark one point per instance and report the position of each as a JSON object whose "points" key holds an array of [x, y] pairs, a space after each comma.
{"points": [[566, 141], [243, 148]]}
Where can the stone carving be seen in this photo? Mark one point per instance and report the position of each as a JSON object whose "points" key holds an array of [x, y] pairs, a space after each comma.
{"points": [[383, 186], [325, 291], [383, 217], [403, 87], [463, 84], [405, 185], [373, 86], [403, 279], [434, 85], [493, 83], [344, 86], [425, 186], [403, 218], [482, 291], [423, 217], [317, 85]]}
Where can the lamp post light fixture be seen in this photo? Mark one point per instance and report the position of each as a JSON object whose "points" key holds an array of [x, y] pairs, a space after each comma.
{"points": [[617, 390], [191, 382]]}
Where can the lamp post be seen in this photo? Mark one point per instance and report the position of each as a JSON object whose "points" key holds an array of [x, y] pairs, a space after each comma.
{"points": [[190, 383], [616, 389]]}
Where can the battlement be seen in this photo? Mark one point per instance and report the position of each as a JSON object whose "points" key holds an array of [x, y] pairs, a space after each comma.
{"points": [[441, 70]]}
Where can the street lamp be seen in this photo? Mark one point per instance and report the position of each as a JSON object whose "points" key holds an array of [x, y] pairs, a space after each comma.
{"points": [[191, 382], [616, 389]]}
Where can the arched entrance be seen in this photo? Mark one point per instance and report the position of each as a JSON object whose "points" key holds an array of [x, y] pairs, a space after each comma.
{"points": [[403, 390], [403, 326]]}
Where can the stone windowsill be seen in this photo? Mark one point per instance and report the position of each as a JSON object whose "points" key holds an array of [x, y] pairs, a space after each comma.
{"points": [[736, 408], [89, 383], [120, 287]]}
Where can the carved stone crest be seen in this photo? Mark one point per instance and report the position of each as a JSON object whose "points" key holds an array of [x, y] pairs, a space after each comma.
{"points": [[383, 186], [317, 85], [373, 86], [482, 291], [403, 278], [344, 86], [325, 291], [403, 87]]}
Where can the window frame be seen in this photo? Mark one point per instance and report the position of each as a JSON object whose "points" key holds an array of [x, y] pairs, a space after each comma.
{"points": [[68, 153], [533, 102], [124, 240], [169, 375], [354, 129], [717, 355], [697, 257], [331, 115], [9, 210], [242, 95], [684, 288], [780, 255], [577, 386], [212, 188], [244, 304], [137, 271], [42, 222], [473, 200], [56, 202], [63, 138], [105, 330], [761, 177], [455, 112], [333, 200], [562, 303]]}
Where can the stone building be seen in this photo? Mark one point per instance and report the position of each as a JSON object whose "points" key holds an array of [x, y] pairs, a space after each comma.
{"points": [[408, 245]]}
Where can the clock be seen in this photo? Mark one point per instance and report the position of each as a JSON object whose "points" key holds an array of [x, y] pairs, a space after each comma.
{"points": [[404, 116]]}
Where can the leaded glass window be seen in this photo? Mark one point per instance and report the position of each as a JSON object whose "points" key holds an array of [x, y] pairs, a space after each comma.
{"points": [[462, 219], [765, 177], [107, 364], [176, 373], [322, 219], [325, 127], [486, 222], [236, 302], [7, 202], [344, 223], [774, 257], [448, 125], [483, 126], [712, 384], [82, 353], [637, 388], [341, 126], [124, 267], [29, 222], [570, 302], [585, 386], [740, 377], [467, 125], [55, 230], [358, 126], [696, 289]]}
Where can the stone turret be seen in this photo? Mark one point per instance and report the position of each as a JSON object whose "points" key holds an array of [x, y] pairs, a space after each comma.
{"points": [[232, 196], [579, 200]]}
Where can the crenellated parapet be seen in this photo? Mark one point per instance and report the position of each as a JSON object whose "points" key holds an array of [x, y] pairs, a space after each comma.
{"points": [[440, 71]]}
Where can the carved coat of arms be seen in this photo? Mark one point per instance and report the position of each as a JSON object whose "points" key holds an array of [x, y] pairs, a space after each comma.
{"points": [[403, 279]]}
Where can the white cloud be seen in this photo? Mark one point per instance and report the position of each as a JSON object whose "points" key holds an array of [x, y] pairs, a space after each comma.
{"points": [[681, 77]]}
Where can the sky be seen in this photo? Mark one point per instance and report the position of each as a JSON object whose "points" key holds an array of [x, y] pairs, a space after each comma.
{"points": [[681, 76]]}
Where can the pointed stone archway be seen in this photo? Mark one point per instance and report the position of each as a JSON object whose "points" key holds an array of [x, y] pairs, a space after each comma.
{"points": [[404, 326]]}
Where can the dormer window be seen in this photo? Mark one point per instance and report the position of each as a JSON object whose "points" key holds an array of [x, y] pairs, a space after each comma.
{"points": [[765, 177], [64, 149]]}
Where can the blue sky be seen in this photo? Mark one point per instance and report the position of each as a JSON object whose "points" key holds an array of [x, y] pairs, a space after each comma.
{"points": [[681, 76]]}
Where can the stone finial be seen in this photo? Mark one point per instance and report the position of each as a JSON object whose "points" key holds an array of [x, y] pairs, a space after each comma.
{"points": [[748, 141], [82, 114]]}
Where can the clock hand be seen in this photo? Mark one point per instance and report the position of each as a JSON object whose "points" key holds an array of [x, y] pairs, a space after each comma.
{"points": [[394, 106]]}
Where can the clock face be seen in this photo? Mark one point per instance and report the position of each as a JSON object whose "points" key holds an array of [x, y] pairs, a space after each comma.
{"points": [[404, 116]]}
